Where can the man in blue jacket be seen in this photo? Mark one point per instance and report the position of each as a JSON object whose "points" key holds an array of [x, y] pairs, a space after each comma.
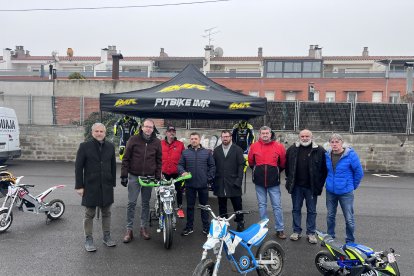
{"points": [[200, 163], [344, 176]]}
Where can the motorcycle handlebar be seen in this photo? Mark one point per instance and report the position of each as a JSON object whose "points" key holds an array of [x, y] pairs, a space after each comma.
{"points": [[150, 181]]}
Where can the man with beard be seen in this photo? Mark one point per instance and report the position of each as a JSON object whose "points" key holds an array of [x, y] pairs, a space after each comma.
{"points": [[229, 162], [305, 177]]}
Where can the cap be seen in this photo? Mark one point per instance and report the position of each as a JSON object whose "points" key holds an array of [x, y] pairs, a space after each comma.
{"points": [[169, 128]]}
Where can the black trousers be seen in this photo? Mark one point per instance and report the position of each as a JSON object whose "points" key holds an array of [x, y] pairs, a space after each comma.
{"points": [[178, 188], [237, 206], [191, 195]]}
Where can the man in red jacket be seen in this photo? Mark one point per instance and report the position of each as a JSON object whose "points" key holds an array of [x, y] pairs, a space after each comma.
{"points": [[171, 154], [267, 158]]}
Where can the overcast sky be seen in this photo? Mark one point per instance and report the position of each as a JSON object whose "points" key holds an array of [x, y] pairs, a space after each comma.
{"points": [[340, 27]]}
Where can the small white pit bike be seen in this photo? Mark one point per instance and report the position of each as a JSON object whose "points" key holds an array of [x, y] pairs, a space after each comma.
{"points": [[237, 246], [18, 195]]}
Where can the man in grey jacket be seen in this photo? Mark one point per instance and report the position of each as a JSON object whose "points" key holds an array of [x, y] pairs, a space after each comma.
{"points": [[200, 163]]}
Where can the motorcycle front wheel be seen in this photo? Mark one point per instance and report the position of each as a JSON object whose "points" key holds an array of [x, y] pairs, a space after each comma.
{"points": [[168, 230], [204, 268], [320, 258], [5, 224], [57, 209], [271, 250]]}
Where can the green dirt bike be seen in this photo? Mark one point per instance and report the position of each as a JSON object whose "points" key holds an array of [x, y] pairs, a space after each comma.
{"points": [[165, 205]]}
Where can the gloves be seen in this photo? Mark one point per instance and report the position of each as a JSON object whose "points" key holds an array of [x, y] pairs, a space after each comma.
{"points": [[124, 181]]}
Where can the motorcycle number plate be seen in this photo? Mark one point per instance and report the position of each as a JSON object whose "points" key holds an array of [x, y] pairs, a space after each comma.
{"points": [[165, 194], [391, 258], [11, 190]]}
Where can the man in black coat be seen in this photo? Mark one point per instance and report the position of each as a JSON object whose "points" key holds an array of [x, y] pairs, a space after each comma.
{"points": [[305, 177], [229, 176], [95, 171]]}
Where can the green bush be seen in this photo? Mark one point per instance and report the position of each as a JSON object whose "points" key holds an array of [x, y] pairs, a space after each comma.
{"points": [[76, 76]]}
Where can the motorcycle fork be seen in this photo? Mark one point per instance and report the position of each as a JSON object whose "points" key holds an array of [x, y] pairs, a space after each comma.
{"points": [[10, 206], [218, 259]]}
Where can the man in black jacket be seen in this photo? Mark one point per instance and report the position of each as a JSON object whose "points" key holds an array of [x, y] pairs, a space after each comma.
{"points": [[200, 163], [95, 171], [229, 162], [143, 157], [305, 177]]}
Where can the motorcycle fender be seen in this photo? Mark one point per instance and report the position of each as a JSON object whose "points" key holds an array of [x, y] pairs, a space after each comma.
{"points": [[210, 243], [3, 208]]}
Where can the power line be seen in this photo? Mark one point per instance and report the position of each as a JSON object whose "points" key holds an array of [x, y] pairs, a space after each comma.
{"points": [[119, 7]]}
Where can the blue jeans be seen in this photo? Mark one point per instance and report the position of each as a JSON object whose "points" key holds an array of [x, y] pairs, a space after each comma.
{"points": [[133, 192], [298, 195], [347, 205], [274, 194]]}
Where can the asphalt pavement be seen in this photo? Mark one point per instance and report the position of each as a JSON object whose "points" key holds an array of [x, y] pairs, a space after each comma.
{"points": [[384, 218]]}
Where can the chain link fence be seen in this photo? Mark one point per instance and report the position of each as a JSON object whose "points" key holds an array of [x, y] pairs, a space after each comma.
{"points": [[280, 116]]}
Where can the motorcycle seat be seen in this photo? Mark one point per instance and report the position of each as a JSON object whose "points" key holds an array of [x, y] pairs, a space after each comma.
{"points": [[247, 234]]}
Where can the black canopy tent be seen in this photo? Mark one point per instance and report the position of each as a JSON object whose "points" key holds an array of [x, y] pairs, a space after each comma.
{"points": [[189, 95]]}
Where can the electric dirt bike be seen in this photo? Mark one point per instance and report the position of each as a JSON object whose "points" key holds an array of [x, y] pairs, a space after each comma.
{"points": [[165, 205], [19, 195], [353, 259], [269, 258]]}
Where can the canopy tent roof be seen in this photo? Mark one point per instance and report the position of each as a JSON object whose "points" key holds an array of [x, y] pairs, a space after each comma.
{"points": [[189, 95]]}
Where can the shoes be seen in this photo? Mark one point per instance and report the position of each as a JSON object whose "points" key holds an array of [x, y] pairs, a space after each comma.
{"points": [[295, 236], [144, 233], [180, 213], [129, 236], [240, 226], [312, 239], [187, 231], [89, 246], [107, 240], [281, 235]]}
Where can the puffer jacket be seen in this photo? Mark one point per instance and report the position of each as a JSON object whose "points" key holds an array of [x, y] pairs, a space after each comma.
{"points": [[171, 154], [317, 168], [200, 163], [347, 175], [267, 161]]}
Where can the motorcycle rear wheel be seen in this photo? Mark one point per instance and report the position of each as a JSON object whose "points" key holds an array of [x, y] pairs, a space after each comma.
{"points": [[204, 268], [268, 250], [168, 231], [323, 256], [59, 207], [4, 225]]}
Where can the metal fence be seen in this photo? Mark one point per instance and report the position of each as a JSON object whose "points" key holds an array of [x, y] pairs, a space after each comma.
{"points": [[280, 116]]}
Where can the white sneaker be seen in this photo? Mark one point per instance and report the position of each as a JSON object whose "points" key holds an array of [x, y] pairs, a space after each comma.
{"points": [[295, 236], [312, 239]]}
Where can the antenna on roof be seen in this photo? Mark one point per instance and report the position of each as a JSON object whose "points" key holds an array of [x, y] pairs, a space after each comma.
{"points": [[209, 33]]}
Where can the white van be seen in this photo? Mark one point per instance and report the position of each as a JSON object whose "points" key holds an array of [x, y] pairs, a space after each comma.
{"points": [[9, 135]]}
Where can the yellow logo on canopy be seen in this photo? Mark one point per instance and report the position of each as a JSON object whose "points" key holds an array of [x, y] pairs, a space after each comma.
{"points": [[122, 102], [242, 105], [177, 87]]}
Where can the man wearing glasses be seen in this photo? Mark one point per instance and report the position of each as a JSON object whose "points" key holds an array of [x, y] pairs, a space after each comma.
{"points": [[229, 176], [143, 157]]}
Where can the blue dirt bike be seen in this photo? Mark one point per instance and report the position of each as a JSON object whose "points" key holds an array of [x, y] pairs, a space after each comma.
{"points": [[353, 259], [269, 258]]}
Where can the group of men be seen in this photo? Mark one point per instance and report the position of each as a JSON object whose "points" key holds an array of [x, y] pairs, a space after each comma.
{"points": [[307, 167]]}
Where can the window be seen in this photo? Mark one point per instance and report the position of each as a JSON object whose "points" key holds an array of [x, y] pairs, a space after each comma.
{"points": [[352, 97], [254, 93], [312, 66], [377, 97], [270, 95], [330, 96], [274, 66], [290, 96], [395, 97], [293, 67], [316, 96]]}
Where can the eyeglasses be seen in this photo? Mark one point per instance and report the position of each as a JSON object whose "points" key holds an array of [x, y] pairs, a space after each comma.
{"points": [[150, 127], [225, 136]]}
